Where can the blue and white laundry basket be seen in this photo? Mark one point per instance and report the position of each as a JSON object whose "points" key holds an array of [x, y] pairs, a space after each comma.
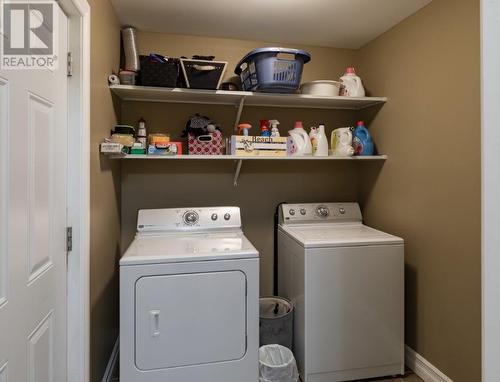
{"points": [[266, 70]]}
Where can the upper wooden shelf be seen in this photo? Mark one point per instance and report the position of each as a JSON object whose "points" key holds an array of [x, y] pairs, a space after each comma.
{"points": [[224, 97]]}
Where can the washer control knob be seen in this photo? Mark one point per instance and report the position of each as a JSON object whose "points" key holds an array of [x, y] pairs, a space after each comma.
{"points": [[227, 216], [342, 210], [302, 211], [322, 211], [191, 217], [291, 211], [214, 217]]}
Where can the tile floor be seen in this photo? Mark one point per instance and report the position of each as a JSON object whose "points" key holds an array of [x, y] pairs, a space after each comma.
{"points": [[409, 377]]}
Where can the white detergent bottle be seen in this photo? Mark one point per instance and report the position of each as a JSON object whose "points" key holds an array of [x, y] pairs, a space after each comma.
{"points": [[321, 142], [300, 141], [312, 136], [352, 86]]}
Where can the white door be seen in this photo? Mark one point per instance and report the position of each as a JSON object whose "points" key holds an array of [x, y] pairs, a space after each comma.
{"points": [[33, 170]]}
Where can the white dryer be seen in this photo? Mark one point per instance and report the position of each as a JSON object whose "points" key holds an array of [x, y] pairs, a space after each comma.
{"points": [[189, 290], [347, 283]]}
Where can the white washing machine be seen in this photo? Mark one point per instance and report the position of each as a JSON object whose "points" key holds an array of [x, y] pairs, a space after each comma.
{"points": [[189, 290], [347, 283]]}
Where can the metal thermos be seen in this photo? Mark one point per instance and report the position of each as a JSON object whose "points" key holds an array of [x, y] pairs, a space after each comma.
{"points": [[130, 49]]}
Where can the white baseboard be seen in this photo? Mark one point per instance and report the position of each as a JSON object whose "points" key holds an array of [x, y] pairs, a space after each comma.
{"points": [[423, 368], [112, 363]]}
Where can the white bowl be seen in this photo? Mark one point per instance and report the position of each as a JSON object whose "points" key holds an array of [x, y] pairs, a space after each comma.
{"points": [[322, 88]]}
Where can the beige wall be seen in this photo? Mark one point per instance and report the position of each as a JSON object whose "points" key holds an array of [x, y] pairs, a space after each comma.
{"points": [[429, 190], [162, 185], [105, 190], [326, 63], [262, 185]]}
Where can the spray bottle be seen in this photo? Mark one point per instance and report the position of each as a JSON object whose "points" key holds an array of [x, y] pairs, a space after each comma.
{"points": [[274, 127], [264, 128]]}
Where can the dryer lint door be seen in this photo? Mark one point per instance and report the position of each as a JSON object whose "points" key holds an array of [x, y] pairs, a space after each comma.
{"points": [[190, 319]]}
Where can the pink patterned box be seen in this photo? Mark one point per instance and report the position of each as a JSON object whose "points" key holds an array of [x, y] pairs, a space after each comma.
{"points": [[200, 147]]}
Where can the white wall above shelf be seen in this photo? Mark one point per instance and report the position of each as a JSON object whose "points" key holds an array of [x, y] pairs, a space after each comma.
{"points": [[236, 98], [203, 18]]}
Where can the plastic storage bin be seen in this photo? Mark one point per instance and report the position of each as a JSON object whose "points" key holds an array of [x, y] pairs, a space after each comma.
{"points": [[153, 73], [277, 364], [265, 70]]}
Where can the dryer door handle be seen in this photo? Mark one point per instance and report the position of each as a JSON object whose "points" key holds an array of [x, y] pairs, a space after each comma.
{"points": [[154, 323]]}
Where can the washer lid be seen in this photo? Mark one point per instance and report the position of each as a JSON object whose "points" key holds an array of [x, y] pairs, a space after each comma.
{"points": [[173, 248], [338, 235]]}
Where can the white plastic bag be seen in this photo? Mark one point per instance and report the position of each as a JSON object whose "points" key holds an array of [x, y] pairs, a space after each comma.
{"points": [[277, 364]]}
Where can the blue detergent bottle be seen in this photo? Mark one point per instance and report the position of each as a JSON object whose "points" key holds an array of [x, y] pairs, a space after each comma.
{"points": [[362, 140]]}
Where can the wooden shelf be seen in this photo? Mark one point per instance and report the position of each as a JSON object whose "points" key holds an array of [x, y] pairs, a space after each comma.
{"points": [[236, 98], [239, 160], [234, 157], [239, 99]]}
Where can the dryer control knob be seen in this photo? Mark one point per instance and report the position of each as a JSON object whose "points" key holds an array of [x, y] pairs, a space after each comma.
{"points": [[302, 211], [214, 217], [190, 217], [322, 211], [291, 211], [342, 210], [227, 216]]}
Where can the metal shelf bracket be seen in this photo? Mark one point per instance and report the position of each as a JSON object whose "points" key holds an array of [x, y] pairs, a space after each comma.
{"points": [[238, 113], [236, 123], [237, 172]]}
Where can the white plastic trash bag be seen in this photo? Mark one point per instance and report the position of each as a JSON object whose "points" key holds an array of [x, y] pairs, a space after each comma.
{"points": [[277, 364]]}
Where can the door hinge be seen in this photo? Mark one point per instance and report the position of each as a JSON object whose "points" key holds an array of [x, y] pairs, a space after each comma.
{"points": [[69, 239], [70, 64]]}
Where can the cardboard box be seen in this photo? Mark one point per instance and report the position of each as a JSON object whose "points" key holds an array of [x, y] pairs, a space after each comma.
{"points": [[170, 148], [250, 146], [112, 148]]}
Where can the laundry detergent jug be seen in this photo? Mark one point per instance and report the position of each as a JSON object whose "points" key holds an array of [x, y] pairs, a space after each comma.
{"points": [[352, 86], [362, 141], [321, 142], [299, 143], [342, 142]]}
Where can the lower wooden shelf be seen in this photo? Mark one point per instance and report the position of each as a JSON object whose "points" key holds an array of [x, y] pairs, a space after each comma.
{"points": [[239, 160]]}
